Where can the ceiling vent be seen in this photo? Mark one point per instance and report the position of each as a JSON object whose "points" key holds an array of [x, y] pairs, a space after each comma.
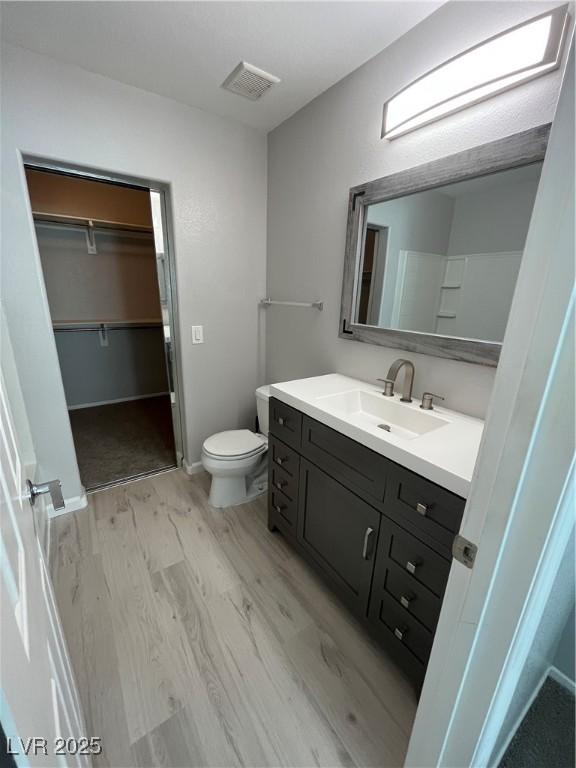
{"points": [[249, 81]]}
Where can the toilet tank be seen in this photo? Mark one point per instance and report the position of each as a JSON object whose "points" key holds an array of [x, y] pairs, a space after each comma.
{"points": [[262, 398]]}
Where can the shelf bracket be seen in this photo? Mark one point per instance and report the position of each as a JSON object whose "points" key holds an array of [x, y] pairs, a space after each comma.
{"points": [[91, 239]]}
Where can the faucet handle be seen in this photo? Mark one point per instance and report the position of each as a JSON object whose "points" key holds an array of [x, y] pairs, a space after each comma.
{"points": [[388, 387], [427, 399]]}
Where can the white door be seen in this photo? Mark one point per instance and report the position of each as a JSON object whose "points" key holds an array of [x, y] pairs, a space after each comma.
{"points": [[39, 703]]}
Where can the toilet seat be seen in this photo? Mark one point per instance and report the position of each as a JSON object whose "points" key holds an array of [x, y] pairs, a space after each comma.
{"points": [[235, 444]]}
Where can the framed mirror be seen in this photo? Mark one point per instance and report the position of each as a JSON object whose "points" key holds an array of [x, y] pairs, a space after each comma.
{"points": [[433, 253]]}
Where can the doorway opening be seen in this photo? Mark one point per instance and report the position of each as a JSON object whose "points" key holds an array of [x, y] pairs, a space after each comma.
{"points": [[109, 281]]}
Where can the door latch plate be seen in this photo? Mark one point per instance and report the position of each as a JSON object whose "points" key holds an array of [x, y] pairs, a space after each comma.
{"points": [[464, 551]]}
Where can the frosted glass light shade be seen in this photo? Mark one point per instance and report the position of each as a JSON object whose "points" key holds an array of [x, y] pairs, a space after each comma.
{"points": [[502, 62]]}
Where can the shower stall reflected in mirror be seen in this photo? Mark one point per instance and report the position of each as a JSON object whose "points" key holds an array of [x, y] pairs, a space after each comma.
{"points": [[103, 251]]}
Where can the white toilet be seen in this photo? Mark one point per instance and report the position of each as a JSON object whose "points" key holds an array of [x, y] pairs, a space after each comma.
{"points": [[237, 460]]}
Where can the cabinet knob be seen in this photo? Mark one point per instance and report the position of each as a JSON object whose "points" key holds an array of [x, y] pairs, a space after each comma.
{"points": [[281, 420], [279, 507], [411, 566], [280, 484], [405, 600], [280, 459], [422, 509], [399, 633]]}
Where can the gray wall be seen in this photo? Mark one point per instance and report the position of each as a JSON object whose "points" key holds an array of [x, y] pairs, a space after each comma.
{"points": [[508, 209], [132, 365], [564, 657], [333, 144], [216, 170]]}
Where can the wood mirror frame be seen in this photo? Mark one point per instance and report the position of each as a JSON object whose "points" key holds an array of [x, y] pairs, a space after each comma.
{"points": [[504, 154]]}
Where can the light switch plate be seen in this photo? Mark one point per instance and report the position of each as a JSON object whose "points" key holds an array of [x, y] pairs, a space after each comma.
{"points": [[197, 334]]}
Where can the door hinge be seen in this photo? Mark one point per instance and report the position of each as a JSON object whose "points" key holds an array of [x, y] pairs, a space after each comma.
{"points": [[464, 551]]}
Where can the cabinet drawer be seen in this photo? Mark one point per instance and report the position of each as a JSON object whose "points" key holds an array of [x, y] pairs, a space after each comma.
{"points": [[285, 422], [411, 500], [286, 509], [282, 456], [405, 629], [282, 481], [348, 461], [418, 560], [412, 596]]}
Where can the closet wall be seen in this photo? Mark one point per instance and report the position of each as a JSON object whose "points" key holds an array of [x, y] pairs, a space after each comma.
{"points": [[102, 287]]}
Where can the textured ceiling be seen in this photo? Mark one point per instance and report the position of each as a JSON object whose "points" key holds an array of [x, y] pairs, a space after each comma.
{"points": [[184, 50]]}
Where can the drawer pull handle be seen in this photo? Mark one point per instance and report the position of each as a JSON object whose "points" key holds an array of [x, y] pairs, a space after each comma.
{"points": [[279, 508], [280, 484], [422, 509], [411, 566], [280, 460], [366, 549], [405, 600], [282, 421], [399, 633]]}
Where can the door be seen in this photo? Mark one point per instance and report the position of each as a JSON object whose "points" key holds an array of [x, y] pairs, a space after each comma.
{"points": [[166, 286], [39, 701], [339, 532]]}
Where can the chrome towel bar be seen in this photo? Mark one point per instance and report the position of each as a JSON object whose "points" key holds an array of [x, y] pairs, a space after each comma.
{"points": [[316, 304]]}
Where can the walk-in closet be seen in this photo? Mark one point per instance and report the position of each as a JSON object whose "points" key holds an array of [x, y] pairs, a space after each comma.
{"points": [[106, 296]]}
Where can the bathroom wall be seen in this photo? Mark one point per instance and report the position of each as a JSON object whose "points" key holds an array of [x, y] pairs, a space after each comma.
{"points": [[334, 143], [217, 174], [507, 208]]}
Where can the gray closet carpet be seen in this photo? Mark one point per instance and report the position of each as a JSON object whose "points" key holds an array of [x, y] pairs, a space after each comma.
{"points": [[545, 738], [118, 441]]}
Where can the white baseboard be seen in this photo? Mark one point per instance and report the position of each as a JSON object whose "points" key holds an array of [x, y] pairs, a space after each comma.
{"points": [[117, 400], [194, 468], [71, 504], [563, 679]]}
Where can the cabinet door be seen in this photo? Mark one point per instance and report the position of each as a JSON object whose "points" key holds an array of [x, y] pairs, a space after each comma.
{"points": [[339, 532]]}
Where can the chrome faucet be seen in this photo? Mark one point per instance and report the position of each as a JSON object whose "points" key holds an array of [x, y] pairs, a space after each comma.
{"points": [[390, 379]]}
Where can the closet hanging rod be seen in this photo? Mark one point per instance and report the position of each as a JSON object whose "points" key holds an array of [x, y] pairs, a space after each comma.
{"points": [[104, 327], [316, 304], [57, 220]]}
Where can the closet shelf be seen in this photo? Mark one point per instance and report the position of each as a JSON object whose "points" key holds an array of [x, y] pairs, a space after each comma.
{"points": [[80, 221]]}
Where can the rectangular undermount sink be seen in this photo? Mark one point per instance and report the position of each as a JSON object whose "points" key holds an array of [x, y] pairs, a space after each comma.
{"points": [[372, 409]]}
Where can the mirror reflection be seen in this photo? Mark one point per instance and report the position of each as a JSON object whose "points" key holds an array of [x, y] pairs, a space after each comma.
{"points": [[445, 261]]}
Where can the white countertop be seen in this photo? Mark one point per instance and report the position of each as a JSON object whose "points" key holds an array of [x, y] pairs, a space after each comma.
{"points": [[445, 455]]}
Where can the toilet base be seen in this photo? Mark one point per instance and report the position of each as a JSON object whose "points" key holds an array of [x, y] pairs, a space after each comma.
{"points": [[232, 491]]}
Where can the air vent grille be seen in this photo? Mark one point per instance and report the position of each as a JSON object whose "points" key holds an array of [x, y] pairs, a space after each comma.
{"points": [[249, 81]]}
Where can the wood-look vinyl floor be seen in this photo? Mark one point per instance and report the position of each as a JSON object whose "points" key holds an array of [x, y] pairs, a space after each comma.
{"points": [[199, 638]]}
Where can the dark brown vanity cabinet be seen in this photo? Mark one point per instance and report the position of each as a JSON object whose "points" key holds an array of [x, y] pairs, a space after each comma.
{"points": [[379, 534], [339, 532]]}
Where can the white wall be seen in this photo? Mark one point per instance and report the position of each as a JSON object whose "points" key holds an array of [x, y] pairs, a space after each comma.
{"points": [[333, 144], [217, 172]]}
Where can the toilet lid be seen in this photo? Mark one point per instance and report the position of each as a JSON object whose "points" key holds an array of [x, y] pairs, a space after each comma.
{"points": [[235, 442]]}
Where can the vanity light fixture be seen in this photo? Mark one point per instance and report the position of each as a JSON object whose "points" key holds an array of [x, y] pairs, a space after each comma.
{"points": [[515, 56]]}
